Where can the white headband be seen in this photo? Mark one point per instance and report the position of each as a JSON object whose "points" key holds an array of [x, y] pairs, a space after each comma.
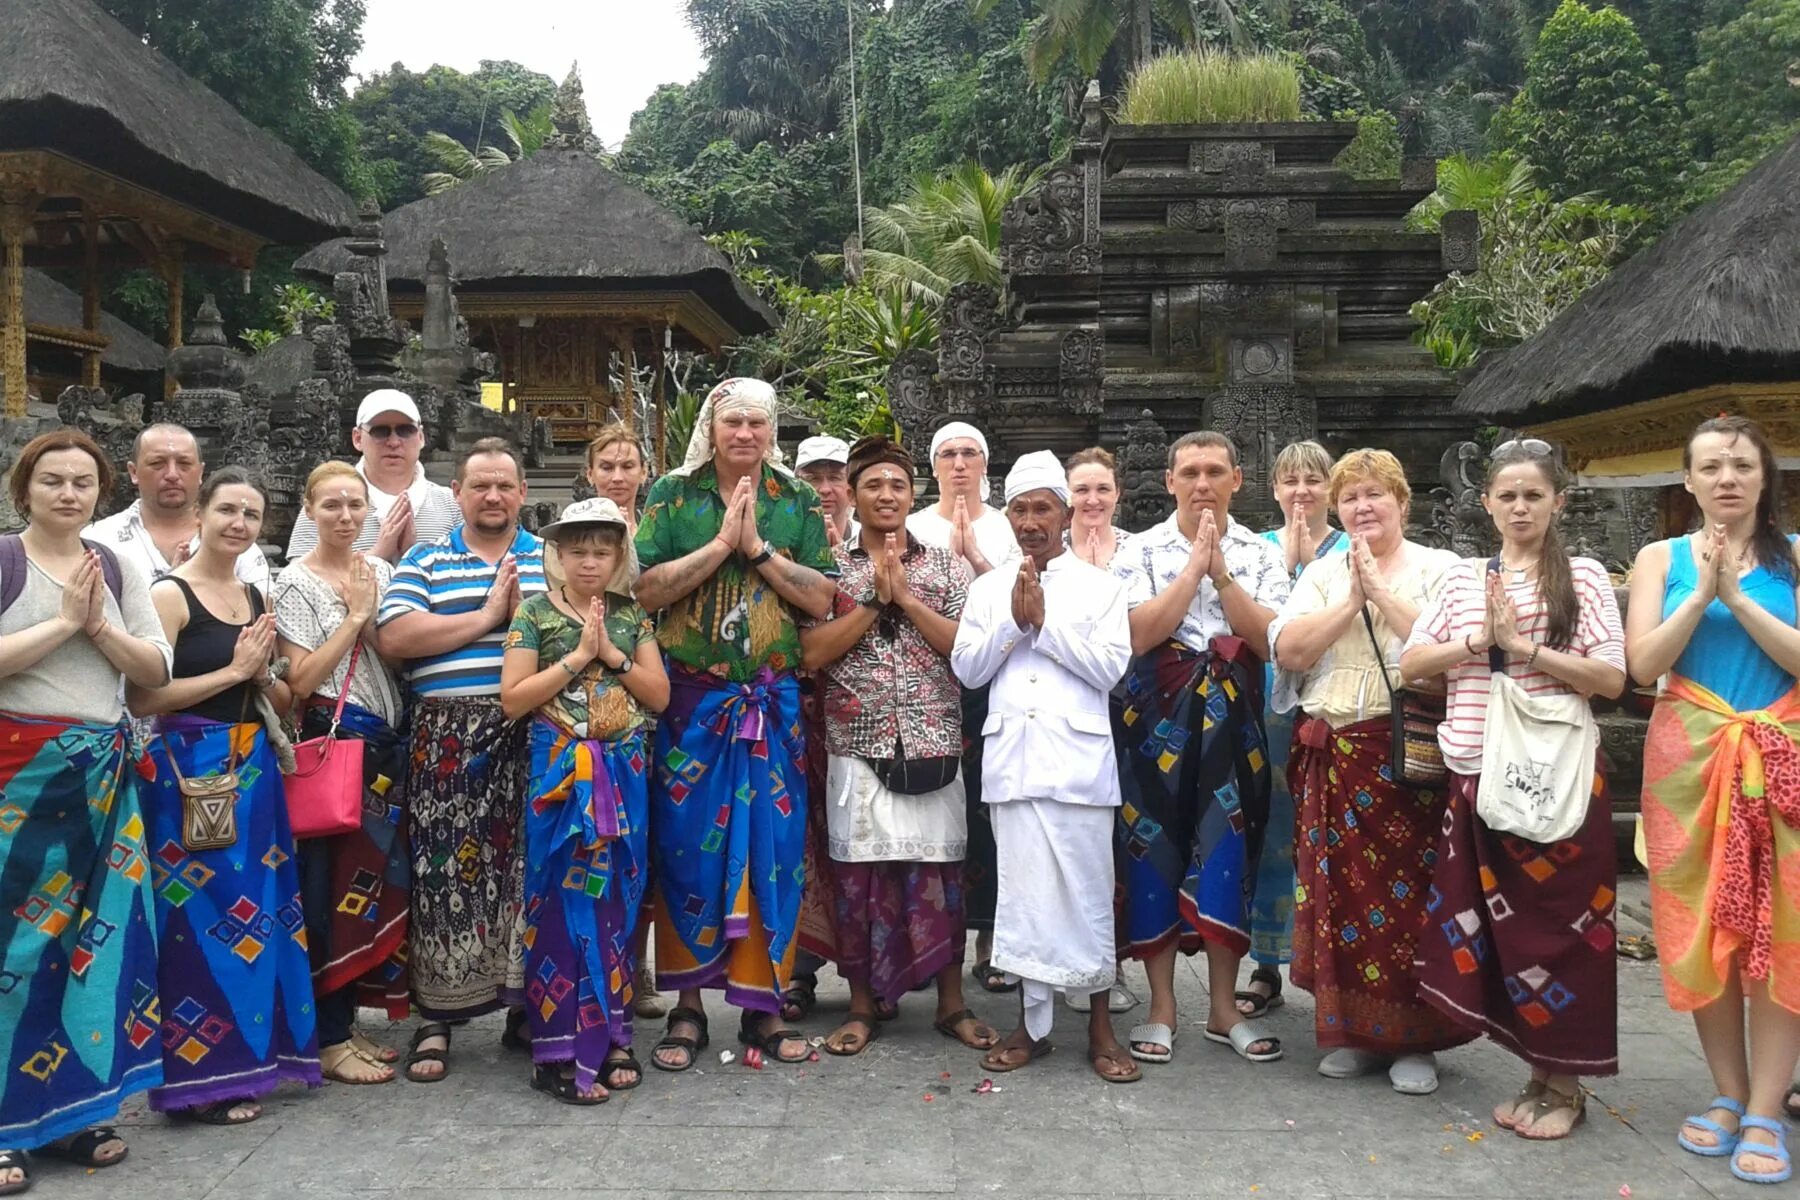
{"points": [[1040, 470]]}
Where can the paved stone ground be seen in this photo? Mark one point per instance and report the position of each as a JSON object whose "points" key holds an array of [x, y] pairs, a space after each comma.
{"points": [[902, 1120]]}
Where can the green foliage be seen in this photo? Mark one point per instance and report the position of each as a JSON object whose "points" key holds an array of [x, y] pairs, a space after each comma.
{"points": [[399, 110], [775, 68], [1484, 185], [521, 137], [1085, 32], [1743, 98], [1207, 86], [1375, 152], [298, 305], [1593, 115]]}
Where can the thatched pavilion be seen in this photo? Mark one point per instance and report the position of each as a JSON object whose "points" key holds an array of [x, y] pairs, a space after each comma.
{"points": [[110, 158], [62, 350], [570, 274], [1702, 322]]}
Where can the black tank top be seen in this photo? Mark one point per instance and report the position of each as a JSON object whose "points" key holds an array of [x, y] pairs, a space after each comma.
{"points": [[208, 644]]}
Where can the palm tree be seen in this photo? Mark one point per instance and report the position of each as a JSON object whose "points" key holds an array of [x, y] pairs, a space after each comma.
{"points": [[1087, 29], [1486, 185], [944, 232], [524, 136]]}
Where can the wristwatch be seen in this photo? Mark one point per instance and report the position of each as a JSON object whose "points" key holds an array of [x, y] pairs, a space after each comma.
{"points": [[762, 556], [872, 600], [624, 668]]}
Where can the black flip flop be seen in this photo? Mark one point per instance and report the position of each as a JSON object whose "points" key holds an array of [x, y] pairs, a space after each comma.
{"points": [[83, 1149], [990, 978], [672, 1041], [628, 1062], [415, 1056], [802, 996], [549, 1079], [769, 1042], [869, 1021], [16, 1160]]}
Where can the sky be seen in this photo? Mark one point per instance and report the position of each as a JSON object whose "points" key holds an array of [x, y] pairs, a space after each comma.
{"points": [[626, 48]]}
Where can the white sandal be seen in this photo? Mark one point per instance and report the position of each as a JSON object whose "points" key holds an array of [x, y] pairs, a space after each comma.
{"points": [[1241, 1037], [1152, 1035]]}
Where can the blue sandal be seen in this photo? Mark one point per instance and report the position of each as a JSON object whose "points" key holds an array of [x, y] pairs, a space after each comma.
{"points": [[1778, 1151], [1728, 1139]]}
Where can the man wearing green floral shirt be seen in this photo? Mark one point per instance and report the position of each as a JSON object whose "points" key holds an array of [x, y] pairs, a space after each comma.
{"points": [[731, 546]]}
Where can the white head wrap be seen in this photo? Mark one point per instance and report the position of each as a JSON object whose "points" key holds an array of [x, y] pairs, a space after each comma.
{"points": [[1038, 470], [962, 429], [731, 394]]}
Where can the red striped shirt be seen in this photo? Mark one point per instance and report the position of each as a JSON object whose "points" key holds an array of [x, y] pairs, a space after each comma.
{"points": [[1459, 610]]}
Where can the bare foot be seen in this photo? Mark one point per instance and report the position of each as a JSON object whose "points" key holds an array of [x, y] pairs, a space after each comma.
{"points": [[1110, 1059], [789, 1049]]}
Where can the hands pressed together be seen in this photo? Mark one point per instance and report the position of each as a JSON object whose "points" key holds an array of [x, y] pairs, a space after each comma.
{"points": [[1028, 597], [738, 530], [84, 596]]}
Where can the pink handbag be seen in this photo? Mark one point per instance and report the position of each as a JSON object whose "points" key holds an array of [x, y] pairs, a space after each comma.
{"points": [[324, 794]]}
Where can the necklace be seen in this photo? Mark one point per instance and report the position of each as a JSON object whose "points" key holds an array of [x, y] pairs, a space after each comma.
{"points": [[563, 591], [1518, 574]]}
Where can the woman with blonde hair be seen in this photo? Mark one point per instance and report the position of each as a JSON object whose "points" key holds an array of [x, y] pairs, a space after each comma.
{"points": [[617, 469], [1366, 839], [356, 887], [1093, 503], [1520, 944], [1715, 610]]}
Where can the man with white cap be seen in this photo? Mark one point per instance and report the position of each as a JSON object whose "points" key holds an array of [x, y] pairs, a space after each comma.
{"points": [[962, 523], [405, 508], [1053, 637], [733, 547], [824, 462]]}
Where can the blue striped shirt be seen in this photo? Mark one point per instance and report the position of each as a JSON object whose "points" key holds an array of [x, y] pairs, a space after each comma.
{"points": [[445, 577]]}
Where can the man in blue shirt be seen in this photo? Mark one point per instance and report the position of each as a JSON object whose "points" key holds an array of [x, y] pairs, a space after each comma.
{"points": [[447, 613]]}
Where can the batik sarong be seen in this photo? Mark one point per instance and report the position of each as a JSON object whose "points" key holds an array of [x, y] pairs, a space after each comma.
{"points": [[587, 814], [729, 807], [357, 886], [1365, 853], [465, 811], [1518, 941], [817, 931], [79, 1015], [1194, 781], [898, 923], [237, 991], [1722, 830]]}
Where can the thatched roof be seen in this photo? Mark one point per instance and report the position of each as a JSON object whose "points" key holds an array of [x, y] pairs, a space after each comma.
{"points": [[74, 81], [48, 302], [557, 221], [1713, 301]]}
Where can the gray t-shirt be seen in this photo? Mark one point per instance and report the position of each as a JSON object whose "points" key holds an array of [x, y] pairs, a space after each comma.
{"points": [[75, 680]]}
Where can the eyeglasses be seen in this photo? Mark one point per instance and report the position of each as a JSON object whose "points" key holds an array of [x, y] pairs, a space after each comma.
{"points": [[382, 433], [1536, 446], [953, 455]]}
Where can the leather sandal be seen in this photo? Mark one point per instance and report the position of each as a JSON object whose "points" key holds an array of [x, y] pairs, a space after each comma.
{"points": [[415, 1056], [622, 1059], [517, 1034], [991, 978], [947, 1027], [770, 1043], [1259, 1003], [333, 1060], [1530, 1094], [691, 1046], [83, 1149], [1550, 1102], [869, 1022], [549, 1079], [15, 1160], [801, 995]]}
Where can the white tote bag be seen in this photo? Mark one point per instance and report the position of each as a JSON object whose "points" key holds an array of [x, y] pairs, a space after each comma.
{"points": [[1537, 762]]}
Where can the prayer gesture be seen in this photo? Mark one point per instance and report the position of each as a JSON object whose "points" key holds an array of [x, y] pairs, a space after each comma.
{"points": [[749, 540], [595, 642], [1090, 547], [962, 532], [357, 590], [1503, 619], [1372, 582], [503, 596], [1297, 541], [890, 574], [1028, 597], [255, 647], [1205, 548], [82, 606], [1726, 584], [396, 536], [834, 537], [1710, 550]]}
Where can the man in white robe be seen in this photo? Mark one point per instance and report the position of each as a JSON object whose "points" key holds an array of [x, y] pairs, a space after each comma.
{"points": [[1052, 635]]}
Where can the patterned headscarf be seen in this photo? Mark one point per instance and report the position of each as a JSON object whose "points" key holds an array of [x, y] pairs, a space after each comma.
{"points": [[732, 393]]}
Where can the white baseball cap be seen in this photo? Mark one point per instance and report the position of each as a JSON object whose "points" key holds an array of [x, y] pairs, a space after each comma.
{"points": [[822, 449], [384, 400]]}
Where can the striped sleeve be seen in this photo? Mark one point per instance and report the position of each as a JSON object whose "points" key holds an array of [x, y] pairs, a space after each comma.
{"points": [[410, 592], [1599, 633]]}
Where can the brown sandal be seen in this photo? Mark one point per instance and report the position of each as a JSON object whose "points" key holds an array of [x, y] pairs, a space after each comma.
{"points": [[1033, 1052], [869, 1021], [947, 1027], [1529, 1094], [1096, 1057], [333, 1059], [1553, 1101]]}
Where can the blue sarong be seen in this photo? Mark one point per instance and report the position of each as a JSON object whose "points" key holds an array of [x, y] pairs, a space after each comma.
{"points": [[78, 1003], [729, 808], [1194, 786], [587, 812], [237, 993]]}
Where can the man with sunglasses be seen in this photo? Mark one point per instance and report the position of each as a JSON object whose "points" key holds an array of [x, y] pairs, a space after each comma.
{"points": [[405, 508]]}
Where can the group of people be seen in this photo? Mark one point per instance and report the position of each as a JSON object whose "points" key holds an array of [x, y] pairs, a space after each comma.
{"points": [[786, 717]]}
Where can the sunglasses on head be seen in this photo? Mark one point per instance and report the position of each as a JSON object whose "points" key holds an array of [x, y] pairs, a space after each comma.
{"points": [[382, 433], [1537, 446]]}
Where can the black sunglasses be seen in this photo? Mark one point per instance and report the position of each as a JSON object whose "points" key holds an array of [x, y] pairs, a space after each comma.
{"points": [[382, 433]]}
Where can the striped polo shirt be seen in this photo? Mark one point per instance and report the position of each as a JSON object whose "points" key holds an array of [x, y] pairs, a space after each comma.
{"points": [[446, 577]]}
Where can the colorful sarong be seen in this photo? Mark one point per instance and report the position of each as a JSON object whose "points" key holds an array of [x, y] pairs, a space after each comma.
{"points": [[465, 809], [1272, 904], [79, 1015], [898, 923], [1518, 941], [1722, 830], [587, 817], [1365, 853], [729, 808], [357, 886], [817, 933], [1194, 779], [236, 981]]}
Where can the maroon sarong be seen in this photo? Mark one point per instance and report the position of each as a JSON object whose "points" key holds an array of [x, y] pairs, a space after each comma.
{"points": [[1518, 941], [1364, 853], [898, 923], [817, 933]]}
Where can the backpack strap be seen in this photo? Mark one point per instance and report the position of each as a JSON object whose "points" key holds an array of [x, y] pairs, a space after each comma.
{"points": [[110, 571], [13, 568]]}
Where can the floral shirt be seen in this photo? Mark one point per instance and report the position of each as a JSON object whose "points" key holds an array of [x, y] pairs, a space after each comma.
{"points": [[734, 624], [597, 705], [1150, 561], [892, 686]]}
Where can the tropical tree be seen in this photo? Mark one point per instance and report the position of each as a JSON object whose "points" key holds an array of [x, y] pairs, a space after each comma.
{"points": [[1482, 184], [1086, 30], [1743, 99], [522, 137]]}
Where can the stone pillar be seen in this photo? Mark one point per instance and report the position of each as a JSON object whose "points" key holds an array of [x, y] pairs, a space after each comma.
{"points": [[15, 222]]}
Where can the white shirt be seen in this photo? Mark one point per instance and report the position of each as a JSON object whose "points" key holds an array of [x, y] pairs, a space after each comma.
{"points": [[125, 533], [1149, 562], [435, 513], [1047, 735], [993, 533]]}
